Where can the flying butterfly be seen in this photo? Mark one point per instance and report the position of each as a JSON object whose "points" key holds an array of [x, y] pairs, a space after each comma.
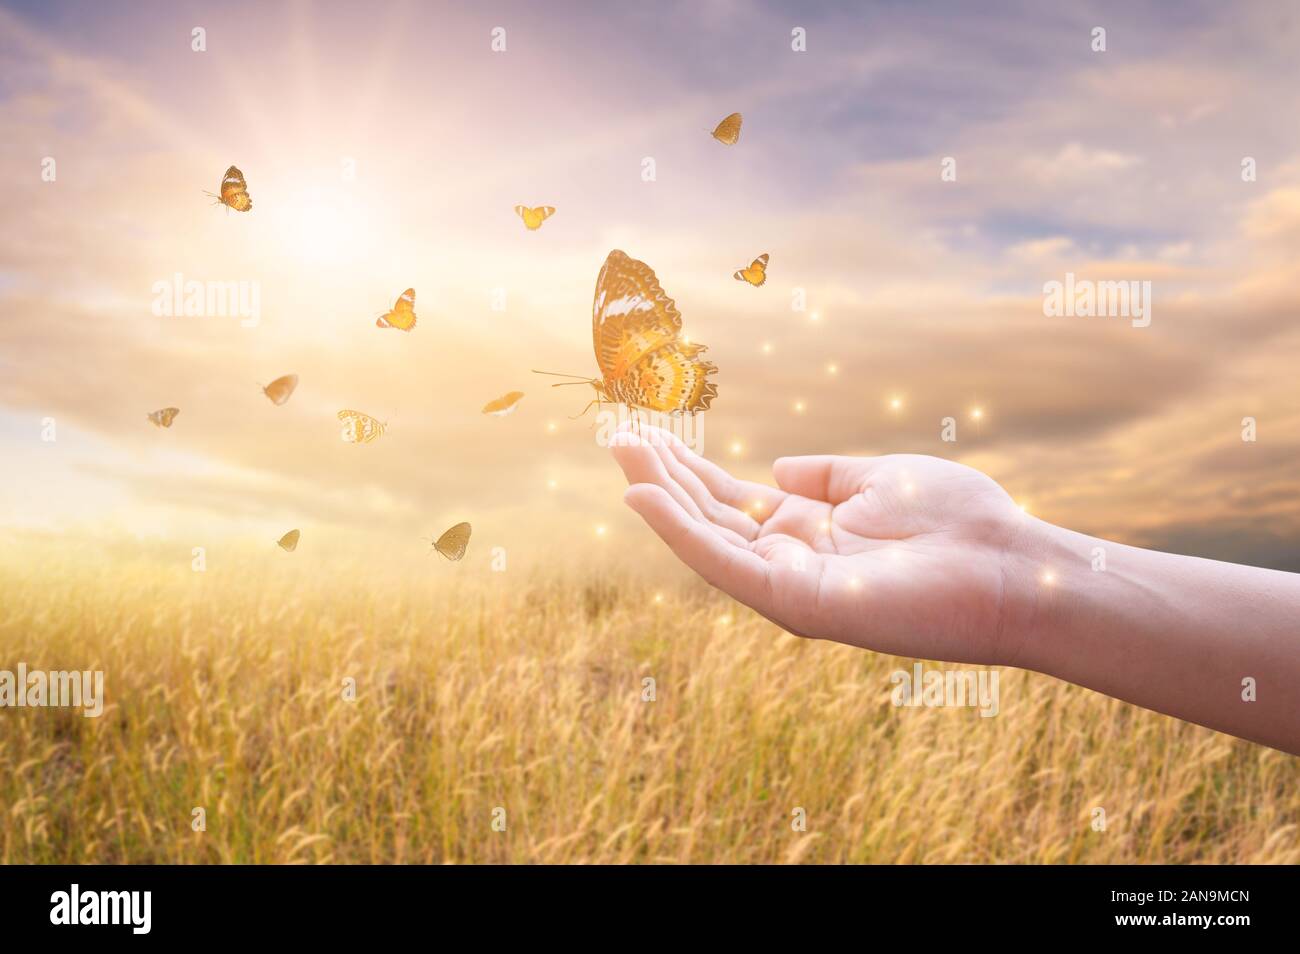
{"points": [[280, 389], [234, 191], [289, 542], [402, 316], [506, 404], [756, 274], [452, 544], [164, 417], [728, 131], [360, 428], [533, 218], [636, 333]]}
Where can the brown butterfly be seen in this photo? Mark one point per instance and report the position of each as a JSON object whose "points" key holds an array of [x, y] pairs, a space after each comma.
{"points": [[452, 544], [234, 191], [280, 389], [164, 417], [506, 404], [289, 541], [402, 317], [636, 332], [728, 131]]}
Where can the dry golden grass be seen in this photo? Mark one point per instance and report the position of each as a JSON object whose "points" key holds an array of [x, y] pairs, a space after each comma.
{"points": [[224, 692]]}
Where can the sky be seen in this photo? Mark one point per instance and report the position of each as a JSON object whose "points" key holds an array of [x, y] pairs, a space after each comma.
{"points": [[386, 145]]}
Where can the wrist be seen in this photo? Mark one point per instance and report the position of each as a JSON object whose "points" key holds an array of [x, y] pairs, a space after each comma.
{"points": [[1043, 573]]}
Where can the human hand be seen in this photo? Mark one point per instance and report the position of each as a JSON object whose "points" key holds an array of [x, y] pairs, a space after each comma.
{"points": [[904, 554]]}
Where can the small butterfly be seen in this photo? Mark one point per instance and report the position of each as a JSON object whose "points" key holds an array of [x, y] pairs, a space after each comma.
{"points": [[402, 316], [289, 541], [280, 389], [728, 131], [503, 405], [636, 332], [533, 218], [452, 544], [234, 191], [756, 274], [360, 428], [164, 417]]}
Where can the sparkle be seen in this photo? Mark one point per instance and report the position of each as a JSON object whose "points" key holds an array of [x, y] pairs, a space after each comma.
{"points": [[600, 530], [724, 620], [977, 413], [737, 448], [767, 347], [854, 584], [1024, 507], [552, 484], [799, 407], [814, 316], [659, 597], [551, 427], [832, 368], [909, 489], [826, 526], [1048, 578], [896, 404]]}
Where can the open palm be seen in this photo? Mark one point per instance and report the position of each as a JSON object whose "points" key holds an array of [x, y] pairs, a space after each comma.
{"points": [[903, 554]]}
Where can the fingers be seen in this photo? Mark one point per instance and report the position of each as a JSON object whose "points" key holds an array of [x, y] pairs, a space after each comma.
{"points": [[706, 480], [644, 464], [824, 476], [731, 568]]}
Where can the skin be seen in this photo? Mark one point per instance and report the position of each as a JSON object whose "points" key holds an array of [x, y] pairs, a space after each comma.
{"points": [[923, 557]]}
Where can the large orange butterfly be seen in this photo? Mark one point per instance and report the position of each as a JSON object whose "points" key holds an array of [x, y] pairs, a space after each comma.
{"points": [[402, 316], [636, 333]]}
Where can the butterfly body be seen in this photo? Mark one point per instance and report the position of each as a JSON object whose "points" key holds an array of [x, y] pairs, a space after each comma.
{"points": [[278, 391], [402, 317], [359, 428], [728, 131], [533, 218], [755, 274], [164, 417]]}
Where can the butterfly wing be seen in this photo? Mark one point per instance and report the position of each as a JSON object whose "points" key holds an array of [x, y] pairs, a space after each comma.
{"points": [[728, 131], [533, 218], [289, 541], [164, 417], [402, 316], [452, 544], [636, 332], [503, 405], [234, 190], [280, 389], [359, 428]]}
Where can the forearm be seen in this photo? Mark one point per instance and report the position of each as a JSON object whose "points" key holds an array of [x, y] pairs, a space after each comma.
{"points": [[1176, 634]]}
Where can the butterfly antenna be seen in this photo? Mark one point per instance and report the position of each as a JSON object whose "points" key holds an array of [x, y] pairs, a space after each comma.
{"points": [[559, 374]]}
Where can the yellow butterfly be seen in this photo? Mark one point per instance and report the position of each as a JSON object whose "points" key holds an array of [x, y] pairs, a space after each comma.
{"points": [[289, 541], [533, 218], [756, 274], [503, 405], [402, 316], [636, 332], [280, 389], [164, 417], [452, 544], [728, 131], [234, 191], [360, 428]]}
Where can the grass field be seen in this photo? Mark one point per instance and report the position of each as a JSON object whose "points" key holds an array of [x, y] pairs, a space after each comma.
{"points": [[225, 692]]}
